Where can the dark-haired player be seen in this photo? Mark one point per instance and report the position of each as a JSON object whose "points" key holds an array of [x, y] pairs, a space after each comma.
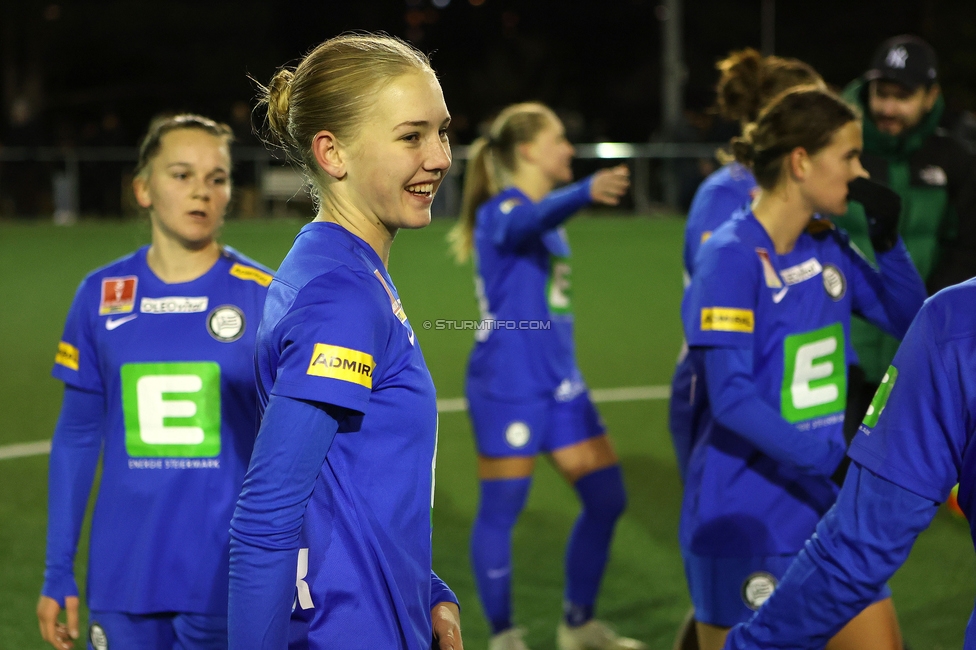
{"points": [[767, 320]]}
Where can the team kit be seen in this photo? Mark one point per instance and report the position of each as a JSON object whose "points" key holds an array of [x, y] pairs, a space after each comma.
{"points": [[268, 438]]}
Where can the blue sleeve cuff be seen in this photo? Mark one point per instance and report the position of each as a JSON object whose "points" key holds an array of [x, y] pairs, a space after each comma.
{"points": [[440, 592]]}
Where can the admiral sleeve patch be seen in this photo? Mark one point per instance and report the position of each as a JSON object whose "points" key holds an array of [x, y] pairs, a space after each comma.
{"points": [[726, 319], [67, 355], [251, 273], [343, 364]]}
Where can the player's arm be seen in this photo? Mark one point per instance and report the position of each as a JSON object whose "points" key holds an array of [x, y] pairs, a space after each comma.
{"points": [[737, 405], [74, 457], [891, 296], [857, 547], [291, 446], [527, 220]]}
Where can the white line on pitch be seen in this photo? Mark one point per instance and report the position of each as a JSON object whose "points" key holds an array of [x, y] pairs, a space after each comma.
{"points": [[22, 449], [447, 405], [626, 394]]}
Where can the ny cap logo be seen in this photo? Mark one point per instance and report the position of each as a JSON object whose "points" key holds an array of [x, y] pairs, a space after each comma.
{"points": [[897, 57]]}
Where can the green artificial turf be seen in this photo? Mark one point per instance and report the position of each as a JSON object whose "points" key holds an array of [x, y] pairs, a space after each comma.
{"points": [[626, 289]]}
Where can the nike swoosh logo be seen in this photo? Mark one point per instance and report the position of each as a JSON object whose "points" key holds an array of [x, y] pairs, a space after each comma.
{"points": [[495, 574], [779, 295], [410, 335], [111, 324]]}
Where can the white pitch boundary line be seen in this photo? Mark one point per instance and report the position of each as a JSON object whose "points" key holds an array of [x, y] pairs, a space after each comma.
{"points": [[446, 405], [23, 449]]}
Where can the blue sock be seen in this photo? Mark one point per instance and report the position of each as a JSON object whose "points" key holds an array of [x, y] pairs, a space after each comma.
{"points": [[491, 546], [604, 499]]}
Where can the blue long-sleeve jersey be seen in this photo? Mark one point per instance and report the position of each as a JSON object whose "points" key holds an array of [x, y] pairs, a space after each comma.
{"points": [[524, 349], [159, 380], [718, 197], [350, 430], [749, 492], [913, 446]]}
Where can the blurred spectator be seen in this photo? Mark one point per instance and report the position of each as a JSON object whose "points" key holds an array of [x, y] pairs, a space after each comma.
{"points": [[934, 174]]}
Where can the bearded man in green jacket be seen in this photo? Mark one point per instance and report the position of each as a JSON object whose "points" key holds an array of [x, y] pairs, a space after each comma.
{"points": [[935, 176]]}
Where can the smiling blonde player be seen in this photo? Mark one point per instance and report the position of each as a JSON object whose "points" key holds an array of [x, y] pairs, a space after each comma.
{"points": [[341, 481]]}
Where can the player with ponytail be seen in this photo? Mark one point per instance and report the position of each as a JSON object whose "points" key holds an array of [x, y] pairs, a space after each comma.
{"points": [[525, 393]]}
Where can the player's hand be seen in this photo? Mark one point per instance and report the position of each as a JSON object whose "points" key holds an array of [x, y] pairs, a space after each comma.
{"points": [[446, 619], [610, 184], [882, 205], [53, 631]]}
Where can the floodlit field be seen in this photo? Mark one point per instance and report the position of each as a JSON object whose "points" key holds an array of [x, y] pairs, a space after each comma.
{"points": [[626, 283]]}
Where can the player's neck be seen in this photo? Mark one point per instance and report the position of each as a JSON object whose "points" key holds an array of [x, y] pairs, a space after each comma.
{"points": [[532, 182], [175, 263], [784, 216], [336, 208]]}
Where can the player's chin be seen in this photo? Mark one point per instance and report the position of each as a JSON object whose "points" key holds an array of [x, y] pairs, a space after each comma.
{"points": [[416, 217]]}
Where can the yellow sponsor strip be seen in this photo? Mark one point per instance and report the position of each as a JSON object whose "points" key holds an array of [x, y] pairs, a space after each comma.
{"points": [[67, 355], [726, 319], [342, 363], [251, 273]]}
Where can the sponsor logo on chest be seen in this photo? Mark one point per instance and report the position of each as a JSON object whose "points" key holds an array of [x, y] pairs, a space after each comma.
{"points": [[801, 272], [174, 305]]}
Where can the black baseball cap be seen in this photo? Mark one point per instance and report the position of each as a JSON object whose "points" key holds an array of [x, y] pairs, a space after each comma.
{"points": [[905, 59]]}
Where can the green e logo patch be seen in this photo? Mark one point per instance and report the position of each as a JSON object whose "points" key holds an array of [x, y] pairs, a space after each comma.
{"points": [[171, 409], [814, 374], [558, 288], [881, 397]]}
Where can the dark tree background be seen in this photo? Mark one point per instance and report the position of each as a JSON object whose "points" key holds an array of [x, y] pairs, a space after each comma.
{"points": [[80, 68]]}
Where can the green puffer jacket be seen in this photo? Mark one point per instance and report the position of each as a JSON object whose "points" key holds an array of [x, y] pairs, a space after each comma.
{"points": [[934, 175]]}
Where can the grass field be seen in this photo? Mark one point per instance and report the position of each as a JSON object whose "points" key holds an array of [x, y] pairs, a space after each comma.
{"points": [[626, 276]]}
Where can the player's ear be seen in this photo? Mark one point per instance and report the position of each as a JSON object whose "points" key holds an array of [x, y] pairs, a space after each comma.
{"points": [[329, 154], [798, 163], [140, 187]]}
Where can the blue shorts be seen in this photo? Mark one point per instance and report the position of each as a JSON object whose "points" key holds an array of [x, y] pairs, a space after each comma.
{"points": [[726, 591], [504, 429], [167, 631]]}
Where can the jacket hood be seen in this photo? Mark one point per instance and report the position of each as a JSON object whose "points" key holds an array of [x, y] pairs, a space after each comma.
{"points": [[892, 146]]}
